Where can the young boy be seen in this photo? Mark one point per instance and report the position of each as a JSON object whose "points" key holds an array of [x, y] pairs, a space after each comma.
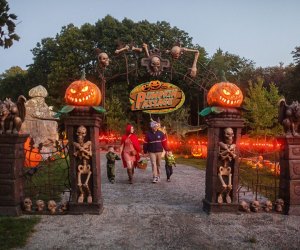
{"points": [[111, 157], [170, 162]]}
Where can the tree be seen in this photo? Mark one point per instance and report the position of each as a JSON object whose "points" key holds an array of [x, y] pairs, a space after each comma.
{"points": [[13, 82], [262, 109], [115, 117], [7, 26]]}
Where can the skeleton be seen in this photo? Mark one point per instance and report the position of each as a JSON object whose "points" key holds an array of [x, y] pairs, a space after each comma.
{"points": [[279, 203], [40, 205], [83, 151], [103, 59], [27, 204], [268, 206], [177, 51], [244, 206], [154, 63], [255, 206], [226, 154], [52, 206]]}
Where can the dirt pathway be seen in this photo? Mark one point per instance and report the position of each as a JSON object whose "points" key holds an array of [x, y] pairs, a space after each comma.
{"points": [[163, 216]]}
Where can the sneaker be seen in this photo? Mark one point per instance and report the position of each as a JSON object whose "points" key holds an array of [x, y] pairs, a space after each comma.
{"points": [[112, 181], [168, 180], [155, 180]]}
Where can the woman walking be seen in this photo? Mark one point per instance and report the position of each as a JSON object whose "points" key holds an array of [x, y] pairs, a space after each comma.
{"points": [[130, 151]]}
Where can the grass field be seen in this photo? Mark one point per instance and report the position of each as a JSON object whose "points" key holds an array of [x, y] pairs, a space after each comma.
{"points": [[14, 232]]}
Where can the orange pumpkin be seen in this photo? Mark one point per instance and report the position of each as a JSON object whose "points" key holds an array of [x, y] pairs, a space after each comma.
{"points": [[32, 155], [83, 93], [225, 94], [199, 151], [155, 84]]}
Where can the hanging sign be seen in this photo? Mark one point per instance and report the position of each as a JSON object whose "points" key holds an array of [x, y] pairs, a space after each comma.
{"points": [[156, 97]]}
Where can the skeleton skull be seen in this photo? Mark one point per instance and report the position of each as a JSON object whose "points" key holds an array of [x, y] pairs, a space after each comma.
{"points": [[279, 203], [103, 59], [254, 207], [81, 133], [176, 52], [27, 204], [40, 205], [229, 134], [244, 206], [268, 206], [155, 63], [52, 206]]}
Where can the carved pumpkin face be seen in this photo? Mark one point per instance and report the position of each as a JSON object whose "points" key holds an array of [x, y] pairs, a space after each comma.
{"points": [[146, 87], [225, 94], [155, 84], [199, 151], [83, 93]]}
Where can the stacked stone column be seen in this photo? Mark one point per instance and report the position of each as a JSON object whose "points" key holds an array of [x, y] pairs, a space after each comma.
{"points": [[290, 174], [11, 173], [89, 118], [216, 125]]}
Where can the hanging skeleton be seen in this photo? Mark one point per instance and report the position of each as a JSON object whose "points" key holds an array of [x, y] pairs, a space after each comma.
{"points": [[83, 153], [226, 155], [177, 51]]}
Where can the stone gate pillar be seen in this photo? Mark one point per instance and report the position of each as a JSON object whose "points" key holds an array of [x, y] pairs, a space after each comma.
{"points": [[11, 173], [290, 174], [92, 202], [218, 198]]}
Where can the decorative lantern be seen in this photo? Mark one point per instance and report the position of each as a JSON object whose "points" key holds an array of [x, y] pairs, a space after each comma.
{"points": [[199, 151], [225, 94], [32, 155], [83, 93]]}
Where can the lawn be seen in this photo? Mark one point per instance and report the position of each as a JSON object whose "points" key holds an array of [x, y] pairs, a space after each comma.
{"points": [[14, 232]]}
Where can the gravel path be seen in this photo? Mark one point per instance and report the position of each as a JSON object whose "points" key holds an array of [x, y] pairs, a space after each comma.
{"points": [[163, 216]]}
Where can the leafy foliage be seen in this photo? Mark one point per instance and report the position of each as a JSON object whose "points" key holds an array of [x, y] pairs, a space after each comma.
{"points": [[7, 26], [262, 109]]}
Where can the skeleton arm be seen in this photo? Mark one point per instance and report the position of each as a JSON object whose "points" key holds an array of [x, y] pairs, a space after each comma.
{"points": [[193, 72], [126, 48]]}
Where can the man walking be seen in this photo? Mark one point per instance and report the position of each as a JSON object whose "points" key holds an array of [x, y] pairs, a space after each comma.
{"points": [[154, 144]]}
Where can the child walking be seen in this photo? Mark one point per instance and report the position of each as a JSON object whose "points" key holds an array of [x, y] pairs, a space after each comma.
{"points": [[170, 162], [111, 157]]}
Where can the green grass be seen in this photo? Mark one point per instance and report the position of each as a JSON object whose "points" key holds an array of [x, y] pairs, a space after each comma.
{"points": [[194, 162], [14, 232], [49, 181]]}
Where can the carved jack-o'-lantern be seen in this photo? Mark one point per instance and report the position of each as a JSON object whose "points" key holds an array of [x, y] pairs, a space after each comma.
{"points": [[225, 94], [83, 93], [32, 155], [146, 87], [155, 84], [199, 151]]}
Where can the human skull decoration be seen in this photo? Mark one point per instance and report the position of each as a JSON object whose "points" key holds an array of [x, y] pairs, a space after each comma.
{"points": [[176, 52], [81, 133], [255, 206], [155, 63], [52, 206], [103, 59], [27, 204], [40, 205], [279, 203], [244, 206], [268, 206], [228, 134], [63, 207]]}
